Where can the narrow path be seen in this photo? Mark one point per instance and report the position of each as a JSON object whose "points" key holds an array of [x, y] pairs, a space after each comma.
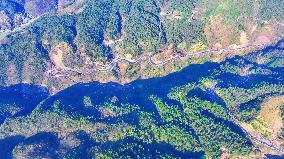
{"points": [[254, 138], [23, 26]]}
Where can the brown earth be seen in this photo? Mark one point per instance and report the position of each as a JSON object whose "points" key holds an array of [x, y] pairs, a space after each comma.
{"points": [[270, 113]]}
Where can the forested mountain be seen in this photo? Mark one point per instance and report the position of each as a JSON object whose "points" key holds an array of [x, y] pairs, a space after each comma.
{"points": [[204, 111], [141, 79], [56, 40]]}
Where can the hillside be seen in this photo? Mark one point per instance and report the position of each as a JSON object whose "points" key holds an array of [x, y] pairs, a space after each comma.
{"points": [[58, 43], [210, 110], [14, 13], [165, 79]]}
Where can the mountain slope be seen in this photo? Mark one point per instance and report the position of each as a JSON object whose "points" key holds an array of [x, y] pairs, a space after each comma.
{"points": [[75, 39], [207, 110]]}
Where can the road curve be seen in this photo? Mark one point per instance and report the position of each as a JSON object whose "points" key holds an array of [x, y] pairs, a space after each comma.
{"points": [[112, 64], [150, 59]]}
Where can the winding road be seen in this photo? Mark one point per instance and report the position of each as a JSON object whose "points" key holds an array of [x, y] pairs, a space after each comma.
{"points": [[151, 61]]}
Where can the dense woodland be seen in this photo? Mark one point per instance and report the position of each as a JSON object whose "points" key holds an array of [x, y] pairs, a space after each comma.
{"points": [[189, 114], [195, 128], [190, 120], [105, 29]]}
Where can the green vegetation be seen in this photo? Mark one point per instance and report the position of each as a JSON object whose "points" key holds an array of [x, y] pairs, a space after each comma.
{"points": [[271, 9], [246, 102], [98, 31], [182, 122], [234, 96], [194, 125], [272, 58], [228, 10], [193, 114], [110, 110], [213, 134]]}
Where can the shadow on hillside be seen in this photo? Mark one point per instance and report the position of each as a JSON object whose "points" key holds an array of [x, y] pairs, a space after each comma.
{"points": [[20, 100]]}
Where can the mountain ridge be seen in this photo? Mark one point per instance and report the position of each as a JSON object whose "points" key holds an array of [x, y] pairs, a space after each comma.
{"points": [[82, 35]]}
